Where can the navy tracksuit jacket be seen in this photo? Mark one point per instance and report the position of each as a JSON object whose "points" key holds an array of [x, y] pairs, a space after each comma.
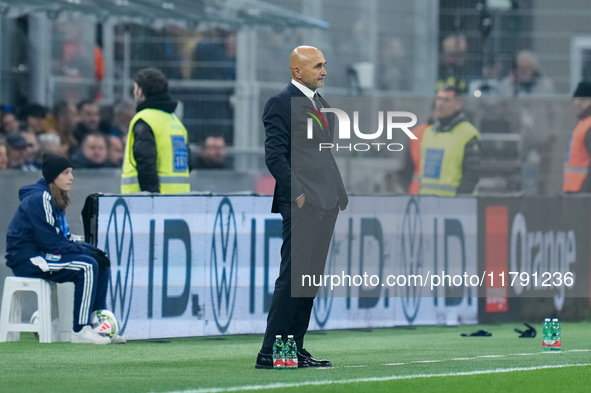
{"points": [[38, 245]]}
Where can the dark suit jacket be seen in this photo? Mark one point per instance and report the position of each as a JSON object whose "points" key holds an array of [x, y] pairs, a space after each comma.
{"points": [[295, 161]]}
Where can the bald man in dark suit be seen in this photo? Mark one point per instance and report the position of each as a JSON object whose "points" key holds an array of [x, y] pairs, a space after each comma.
{"points": [[308, 194]]}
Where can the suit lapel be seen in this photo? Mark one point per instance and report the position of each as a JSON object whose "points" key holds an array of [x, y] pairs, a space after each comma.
{"points": [[323, 134], [330, 119]]}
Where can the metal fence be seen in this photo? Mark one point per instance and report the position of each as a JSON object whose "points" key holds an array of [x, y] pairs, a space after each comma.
{"points": [[223, 74]]}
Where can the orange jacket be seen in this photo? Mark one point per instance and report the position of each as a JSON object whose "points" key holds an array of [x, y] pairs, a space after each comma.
{"points": [[415, 153], [577, 164]]}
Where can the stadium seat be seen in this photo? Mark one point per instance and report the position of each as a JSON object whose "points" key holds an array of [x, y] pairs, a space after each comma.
{"points": [[49, 326]]}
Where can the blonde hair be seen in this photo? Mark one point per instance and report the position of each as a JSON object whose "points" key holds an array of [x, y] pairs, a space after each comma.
{"points": [[61, 199]]}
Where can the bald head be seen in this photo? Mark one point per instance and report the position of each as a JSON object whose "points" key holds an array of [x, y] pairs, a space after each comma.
{"points": [[527, 65], [301, 54], [307, 66]]}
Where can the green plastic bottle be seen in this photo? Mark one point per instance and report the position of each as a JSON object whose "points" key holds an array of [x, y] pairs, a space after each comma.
{"points": [[291, 351], [547, 334], [278, 359], [556, 335]]}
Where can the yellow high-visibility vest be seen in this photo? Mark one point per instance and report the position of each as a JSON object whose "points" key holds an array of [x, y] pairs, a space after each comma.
{"points": [[442, 155], [172, 161]]}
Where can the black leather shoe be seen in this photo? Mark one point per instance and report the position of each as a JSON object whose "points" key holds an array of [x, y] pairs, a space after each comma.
{"points": [[306, 360], [264, 361]]}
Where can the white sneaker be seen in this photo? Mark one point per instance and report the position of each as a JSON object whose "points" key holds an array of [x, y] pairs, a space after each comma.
{"points": [[89, 336], [117, 339]]}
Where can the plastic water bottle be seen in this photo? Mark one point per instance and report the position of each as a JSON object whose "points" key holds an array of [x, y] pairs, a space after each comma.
{"points": [[278, 359], [547, 335], [556, 335], [291, 349]]}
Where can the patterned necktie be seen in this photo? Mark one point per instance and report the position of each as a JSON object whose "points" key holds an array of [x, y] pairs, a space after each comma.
{"points": [[317, 102]]}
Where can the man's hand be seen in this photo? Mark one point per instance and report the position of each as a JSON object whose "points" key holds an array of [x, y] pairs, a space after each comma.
{"points": [[101, 257], [301, 200]]}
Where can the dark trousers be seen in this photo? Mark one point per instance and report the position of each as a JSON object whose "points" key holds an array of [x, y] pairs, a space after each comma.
{"points": [[310, 231], [90, 282]]}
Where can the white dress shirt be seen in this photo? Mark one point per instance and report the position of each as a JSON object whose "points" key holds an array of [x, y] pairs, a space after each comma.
{"points": [[304, 89]]}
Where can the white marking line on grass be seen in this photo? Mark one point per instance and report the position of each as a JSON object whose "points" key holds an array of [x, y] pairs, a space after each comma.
{"points": [[491, 356], [426, 361], [393, 364], [524, 354], [376, 379], [461, 359], [578, 350]]}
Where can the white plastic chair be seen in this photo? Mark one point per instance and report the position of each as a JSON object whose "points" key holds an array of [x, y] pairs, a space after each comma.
{"points": [[11, 324]]}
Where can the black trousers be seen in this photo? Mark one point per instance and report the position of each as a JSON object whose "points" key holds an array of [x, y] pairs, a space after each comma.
{"points": [[310, 231]]}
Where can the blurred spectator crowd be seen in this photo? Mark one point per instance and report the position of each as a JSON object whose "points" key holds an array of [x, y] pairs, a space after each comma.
{"points": [[525, 78], [89, 134]]}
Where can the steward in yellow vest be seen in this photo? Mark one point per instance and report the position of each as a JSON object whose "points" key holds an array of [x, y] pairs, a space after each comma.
{"points": [[450, 150], [576, 166], [156, 154]]}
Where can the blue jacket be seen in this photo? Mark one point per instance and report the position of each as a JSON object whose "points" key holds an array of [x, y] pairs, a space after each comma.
{"points": [[38, 228]]}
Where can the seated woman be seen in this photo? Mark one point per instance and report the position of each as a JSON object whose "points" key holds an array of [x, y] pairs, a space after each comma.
{"points": [[38, 245]]}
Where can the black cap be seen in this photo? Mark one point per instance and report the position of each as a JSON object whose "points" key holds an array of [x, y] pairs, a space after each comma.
{"points": [[16, 141], [583, 90], [53, 165]]}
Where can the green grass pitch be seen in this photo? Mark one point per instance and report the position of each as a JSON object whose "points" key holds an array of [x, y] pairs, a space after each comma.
{"points": [[421, 359]]}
